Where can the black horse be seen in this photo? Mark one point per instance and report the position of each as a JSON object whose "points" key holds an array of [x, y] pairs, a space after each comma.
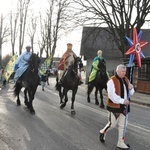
{"points": [[100, 83], [29, 80], [69, 81]]}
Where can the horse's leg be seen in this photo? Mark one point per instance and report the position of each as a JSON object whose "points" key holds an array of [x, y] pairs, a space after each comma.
{"points": [[96, 99], [61, 95], [73, 99], [101, 97], [25, 97], [58, 88], [18, 98], [63, 104], [31, 97], [89, 90]]}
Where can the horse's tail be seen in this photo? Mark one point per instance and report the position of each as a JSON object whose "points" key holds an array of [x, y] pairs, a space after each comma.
{"points": [[90, 87], [57, 86], [17, 89]]}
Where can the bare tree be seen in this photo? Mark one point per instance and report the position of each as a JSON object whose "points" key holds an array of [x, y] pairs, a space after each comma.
{"points": [[42, 35], [120, 16], [23, 9], [13, 29], [18, 20], [4, 33], [55, 23], [31, 30]]}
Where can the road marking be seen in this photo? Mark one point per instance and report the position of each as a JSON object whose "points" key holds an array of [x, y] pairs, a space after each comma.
{"points": [[138, 126], [98, 111], [92, 109]]}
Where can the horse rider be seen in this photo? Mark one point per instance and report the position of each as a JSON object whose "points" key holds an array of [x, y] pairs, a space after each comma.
{"points": [[21, 64], [95, 63], [66, 60]]}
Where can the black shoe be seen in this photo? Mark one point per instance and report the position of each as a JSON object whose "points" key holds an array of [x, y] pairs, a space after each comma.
{"points": [[42, 89], [101, 137]]}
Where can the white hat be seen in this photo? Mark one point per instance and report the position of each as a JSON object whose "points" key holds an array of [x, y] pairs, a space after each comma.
{"points": [[28, 46]]}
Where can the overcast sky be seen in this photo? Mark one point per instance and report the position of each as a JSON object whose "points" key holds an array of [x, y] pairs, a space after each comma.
{"points": [[74, 37]]}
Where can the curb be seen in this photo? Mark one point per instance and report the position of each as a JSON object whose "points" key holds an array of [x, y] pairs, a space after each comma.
{"points": [[139, 96], [140, 103]]}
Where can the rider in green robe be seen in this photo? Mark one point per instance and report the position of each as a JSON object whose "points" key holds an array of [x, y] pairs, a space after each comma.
{"points": [[95, 68]]}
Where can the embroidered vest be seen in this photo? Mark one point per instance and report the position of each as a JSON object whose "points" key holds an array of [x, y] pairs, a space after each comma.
{"points": [[113, 107]]}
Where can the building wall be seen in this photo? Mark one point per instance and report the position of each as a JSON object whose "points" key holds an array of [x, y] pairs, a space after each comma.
{"points": [[94, 39], [102, 42]]}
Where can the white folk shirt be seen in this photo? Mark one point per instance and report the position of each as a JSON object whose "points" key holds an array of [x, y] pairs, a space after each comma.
{"points": [[112, 94]]}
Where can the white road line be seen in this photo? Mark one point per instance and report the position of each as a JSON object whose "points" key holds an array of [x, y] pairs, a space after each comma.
{"points": [[138, 126]]}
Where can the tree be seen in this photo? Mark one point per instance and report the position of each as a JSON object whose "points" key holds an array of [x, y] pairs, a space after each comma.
{"points": [[53, 25], [32, 29], [18, 19], [13, 29], [120, 16], [23, 9], [42, 35], [3, 35]]}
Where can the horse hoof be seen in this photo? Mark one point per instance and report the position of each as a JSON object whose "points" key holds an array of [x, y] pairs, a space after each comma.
{"points": [[62, 106], [18, 103], [96, 103], [73, 112], [102, 106], [32, 112], [26, 103]]}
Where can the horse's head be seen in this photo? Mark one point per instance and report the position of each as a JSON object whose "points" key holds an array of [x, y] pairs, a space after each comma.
{"points": [[78, 63], [102, 66], [34, 61]]}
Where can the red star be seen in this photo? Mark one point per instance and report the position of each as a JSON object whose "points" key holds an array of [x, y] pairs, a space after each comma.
{"points": [[136, 48]]}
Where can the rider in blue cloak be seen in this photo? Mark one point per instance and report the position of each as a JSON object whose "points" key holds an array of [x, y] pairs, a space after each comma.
{"points": [[22, 63]]}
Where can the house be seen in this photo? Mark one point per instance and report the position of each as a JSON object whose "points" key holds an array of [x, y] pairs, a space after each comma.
{"points": [[94, 39]]}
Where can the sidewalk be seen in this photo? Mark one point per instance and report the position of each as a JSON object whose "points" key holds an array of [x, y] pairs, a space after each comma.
{"points": [[139, 98]]}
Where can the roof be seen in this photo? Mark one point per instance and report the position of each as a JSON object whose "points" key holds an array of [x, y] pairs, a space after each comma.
{"points": [[97, 38]]}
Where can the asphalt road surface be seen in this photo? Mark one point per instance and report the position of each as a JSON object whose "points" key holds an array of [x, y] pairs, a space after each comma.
{"points": [[52, 128]]}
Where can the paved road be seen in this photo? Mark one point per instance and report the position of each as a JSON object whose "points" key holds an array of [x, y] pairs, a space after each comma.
{"points": [[54, 129]]}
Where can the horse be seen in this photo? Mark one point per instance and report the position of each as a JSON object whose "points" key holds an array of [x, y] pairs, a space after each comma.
{"points": [[29, 80], [70, 81], [100, 83]]}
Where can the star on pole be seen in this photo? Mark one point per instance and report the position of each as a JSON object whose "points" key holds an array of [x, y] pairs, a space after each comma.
{"points": [[136, 47]]}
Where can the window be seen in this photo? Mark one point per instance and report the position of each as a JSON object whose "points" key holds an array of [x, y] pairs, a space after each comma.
{"points": [[144, 72]]}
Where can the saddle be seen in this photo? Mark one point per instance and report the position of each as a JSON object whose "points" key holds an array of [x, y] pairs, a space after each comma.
{"points": [[65, 73]]}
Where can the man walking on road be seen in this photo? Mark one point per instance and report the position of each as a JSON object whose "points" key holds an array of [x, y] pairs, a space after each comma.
{"points": [[118, 88]]}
